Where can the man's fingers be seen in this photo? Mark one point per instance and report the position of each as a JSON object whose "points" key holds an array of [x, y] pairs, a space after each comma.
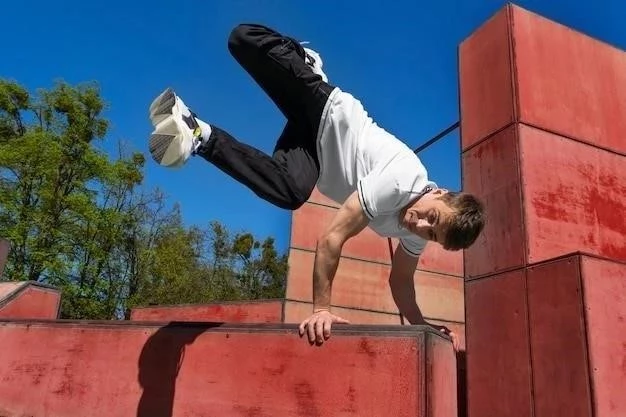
{"points": [[319, 331], [318, 327], [302, 327], [311, 330], [327, 327]]}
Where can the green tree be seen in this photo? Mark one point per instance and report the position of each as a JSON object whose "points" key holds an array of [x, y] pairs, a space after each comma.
{"points": [[63, 202], [261, 272], [193, 266]]}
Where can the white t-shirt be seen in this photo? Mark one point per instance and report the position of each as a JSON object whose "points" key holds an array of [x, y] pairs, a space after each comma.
{"points": [[356, 154]]}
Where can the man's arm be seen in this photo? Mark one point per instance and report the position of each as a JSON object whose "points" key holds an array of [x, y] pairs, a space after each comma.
{"points": [[348, 222], [402, 285], [403, 291]]}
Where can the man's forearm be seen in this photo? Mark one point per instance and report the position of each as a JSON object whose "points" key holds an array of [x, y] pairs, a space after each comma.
{"points": [[326, 262], [403, 292]]}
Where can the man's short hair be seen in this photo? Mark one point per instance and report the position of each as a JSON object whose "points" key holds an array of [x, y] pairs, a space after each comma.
{"points": [[467, 222]]}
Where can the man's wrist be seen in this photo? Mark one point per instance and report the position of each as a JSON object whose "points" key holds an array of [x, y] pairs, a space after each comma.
{"points": [[319, 309]]}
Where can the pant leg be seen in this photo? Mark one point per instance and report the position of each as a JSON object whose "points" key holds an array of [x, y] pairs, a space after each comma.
{"points": [[276, 63], [285, 179]]}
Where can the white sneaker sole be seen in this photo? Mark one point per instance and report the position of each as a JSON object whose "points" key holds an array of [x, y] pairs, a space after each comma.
{"points": [[172, 140]]}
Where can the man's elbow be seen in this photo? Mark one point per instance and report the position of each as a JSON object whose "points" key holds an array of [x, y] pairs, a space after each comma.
{"points": [[396, 280], [399, 281], [330, 242]]}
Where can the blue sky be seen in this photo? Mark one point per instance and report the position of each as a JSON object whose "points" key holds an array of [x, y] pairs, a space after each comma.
{"points": [[398, 57]]}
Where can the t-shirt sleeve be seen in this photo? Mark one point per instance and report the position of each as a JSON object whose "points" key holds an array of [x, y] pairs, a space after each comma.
{"points": [[413, 246]]}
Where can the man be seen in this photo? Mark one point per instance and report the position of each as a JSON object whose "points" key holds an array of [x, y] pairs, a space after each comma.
{"points": [[329, 141]]}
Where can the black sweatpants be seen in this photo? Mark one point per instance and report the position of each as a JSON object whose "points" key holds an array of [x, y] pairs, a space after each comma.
{"points": [[277, 63]]}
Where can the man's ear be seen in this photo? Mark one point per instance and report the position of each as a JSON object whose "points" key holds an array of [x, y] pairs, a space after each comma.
{"points": [[440, 191]]}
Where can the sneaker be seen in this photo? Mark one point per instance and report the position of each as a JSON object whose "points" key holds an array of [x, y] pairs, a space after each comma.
{"points": [[177, 133], [314, 60]]}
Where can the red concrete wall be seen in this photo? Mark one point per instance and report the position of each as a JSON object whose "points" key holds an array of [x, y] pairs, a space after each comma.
{"points": [[486, 85], [557, 338], [569, 83], [491, 170], [126, 369], [542, 127], [546, 196], [28, 301], [7, 288], [309, 222], [266, 311], [560, 333], [498, 369], [520, 66], [604, 300], [535, 134]]}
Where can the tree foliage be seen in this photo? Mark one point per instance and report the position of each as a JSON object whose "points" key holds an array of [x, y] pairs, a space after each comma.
{"points": [[79, 219]]}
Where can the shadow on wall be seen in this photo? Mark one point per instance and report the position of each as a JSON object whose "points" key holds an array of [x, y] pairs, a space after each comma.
{"points": [[159, 363], [461, 366]]}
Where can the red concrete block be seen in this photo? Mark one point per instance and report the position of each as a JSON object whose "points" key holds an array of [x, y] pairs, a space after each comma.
{"points": [[435, 259], [265, 311], [357, 283], [571, 198], [547, 196], [311, 220], [568, 82], [30, 300], [574, 196], [124, 369], [297, 311], [365, 285], [522, 67], [491, 171], [557, 339], [574, 334], [442, 390], [7, 288], [498, 356], [604, 298], [440, 297], [486, 81]]}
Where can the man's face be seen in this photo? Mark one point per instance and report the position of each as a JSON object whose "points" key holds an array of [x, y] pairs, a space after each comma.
{"points": [[428, 217]]}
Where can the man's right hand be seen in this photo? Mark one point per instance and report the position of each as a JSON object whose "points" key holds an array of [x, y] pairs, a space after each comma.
{"points": [[318, 326]]}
